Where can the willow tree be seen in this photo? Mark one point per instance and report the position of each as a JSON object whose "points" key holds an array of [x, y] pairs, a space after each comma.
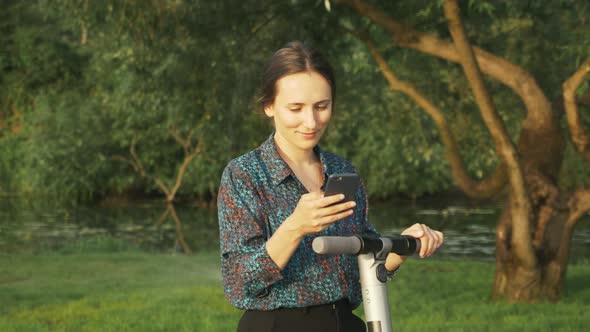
{"points": [[534, 231]]}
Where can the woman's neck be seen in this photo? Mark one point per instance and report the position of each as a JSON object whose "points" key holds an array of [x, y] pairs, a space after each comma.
{"points": [[304, 164], [293, 155]]}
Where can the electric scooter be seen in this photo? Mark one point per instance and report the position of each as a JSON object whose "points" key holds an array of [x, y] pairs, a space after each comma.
{"points": [[371, 253]]}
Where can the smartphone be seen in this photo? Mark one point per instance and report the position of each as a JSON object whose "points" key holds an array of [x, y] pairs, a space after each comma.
{"points": [[343, 183]]}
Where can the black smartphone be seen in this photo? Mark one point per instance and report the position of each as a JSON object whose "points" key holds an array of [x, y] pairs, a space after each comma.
{"points": [[343, 183]]}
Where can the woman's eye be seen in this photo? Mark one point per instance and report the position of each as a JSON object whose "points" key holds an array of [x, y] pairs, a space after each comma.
{"points": [[294, 109], [321, 107]]}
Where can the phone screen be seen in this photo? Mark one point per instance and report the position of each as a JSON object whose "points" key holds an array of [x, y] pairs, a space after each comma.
{"points": [[343, 183]]}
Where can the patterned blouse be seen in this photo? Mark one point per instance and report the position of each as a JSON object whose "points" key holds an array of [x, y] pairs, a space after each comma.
{"points": [[258, 192]]}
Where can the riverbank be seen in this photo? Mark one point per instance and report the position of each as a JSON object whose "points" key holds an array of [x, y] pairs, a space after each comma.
{"points": [[127, 290]]}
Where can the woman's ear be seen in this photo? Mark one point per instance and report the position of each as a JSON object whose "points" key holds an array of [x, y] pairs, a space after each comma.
{"points": [[269, 110]]}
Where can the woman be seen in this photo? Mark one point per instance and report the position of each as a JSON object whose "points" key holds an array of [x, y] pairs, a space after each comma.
{"points": [[271, 207]]}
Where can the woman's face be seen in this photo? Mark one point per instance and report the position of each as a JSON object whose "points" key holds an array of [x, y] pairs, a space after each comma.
{"points": [[301, 110]]}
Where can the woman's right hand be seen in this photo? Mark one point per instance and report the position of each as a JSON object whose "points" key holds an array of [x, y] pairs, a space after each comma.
{"points": [[314, 212]]}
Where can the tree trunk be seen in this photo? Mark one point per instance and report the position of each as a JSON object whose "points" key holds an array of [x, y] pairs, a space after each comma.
{"points": [[515, 283], [532, 249], [554, 213]]}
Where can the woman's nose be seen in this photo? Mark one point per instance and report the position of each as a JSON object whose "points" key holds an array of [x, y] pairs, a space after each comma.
{"points": [[309, 119]]}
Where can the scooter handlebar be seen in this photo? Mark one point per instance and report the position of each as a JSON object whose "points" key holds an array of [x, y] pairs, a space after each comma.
{"points": [[354, 245]]}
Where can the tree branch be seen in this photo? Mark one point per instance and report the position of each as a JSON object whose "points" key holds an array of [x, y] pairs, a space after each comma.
{"points": [[181, 170], [579, 204], [84, 23], [179, 232], [184, 142], [577, 132], [134, 158], [521, 207], [190, 153], [163, 216], [125, 160], [544, 194], [139, 167], [516, 78], [477, 189]]}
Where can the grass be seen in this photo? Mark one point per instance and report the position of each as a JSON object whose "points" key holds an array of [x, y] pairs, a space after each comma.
{"points": [[90, 288], [453, 296]]}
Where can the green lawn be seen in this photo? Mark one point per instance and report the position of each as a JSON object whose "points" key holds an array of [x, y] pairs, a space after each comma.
{"points": [[129, 290]]}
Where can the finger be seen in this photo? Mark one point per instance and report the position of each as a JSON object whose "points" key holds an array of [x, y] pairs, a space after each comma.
{"points": [[439, 239], [329, 200], [327, 220], [425, 242], [435, 240], [337, 208], [431, 246]]}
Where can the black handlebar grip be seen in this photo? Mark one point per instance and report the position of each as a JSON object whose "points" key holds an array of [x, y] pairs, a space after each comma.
{"points": [[404, 245]]}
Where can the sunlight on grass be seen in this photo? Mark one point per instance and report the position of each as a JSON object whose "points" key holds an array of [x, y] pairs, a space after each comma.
{"points": [[134, 291]]}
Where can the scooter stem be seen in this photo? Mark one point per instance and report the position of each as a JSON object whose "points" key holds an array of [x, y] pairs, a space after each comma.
{"points": [[374, 292]]}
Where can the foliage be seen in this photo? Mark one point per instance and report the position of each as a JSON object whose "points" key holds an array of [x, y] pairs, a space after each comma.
{"points": [[574, 171], [139, 81], [82, 82]]}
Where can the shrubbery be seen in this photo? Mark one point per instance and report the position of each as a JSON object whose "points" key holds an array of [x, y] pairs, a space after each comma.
{"points": [[148, 76]]}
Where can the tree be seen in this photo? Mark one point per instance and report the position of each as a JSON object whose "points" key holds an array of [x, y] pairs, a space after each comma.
{"points": [[534, 232], [86, 84]]}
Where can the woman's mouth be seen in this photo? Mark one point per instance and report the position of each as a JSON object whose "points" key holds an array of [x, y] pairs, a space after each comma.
{"points": [[308, 135]]}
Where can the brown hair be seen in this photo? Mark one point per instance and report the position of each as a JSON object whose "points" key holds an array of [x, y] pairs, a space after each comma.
{"points": [[293, 58]]}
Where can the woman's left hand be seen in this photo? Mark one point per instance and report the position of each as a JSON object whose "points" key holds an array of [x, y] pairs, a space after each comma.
{"points": [[430, 240]]}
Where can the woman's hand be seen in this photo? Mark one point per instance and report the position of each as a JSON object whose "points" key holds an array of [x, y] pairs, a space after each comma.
{"points": [[430, 241], [314, 212]]}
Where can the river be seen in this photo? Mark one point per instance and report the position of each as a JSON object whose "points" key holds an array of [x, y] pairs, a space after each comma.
{"points": [[35, 226]]}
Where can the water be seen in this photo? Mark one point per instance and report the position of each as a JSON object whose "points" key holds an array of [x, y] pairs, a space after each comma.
{"points": [[32, 226], [469, 230]]}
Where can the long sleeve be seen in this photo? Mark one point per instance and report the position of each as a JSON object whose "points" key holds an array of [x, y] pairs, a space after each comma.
{"points": [[258, 192], [247, 269]]}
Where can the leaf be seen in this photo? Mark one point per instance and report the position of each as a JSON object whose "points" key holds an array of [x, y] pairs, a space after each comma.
{"points": [[327, 5]]}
